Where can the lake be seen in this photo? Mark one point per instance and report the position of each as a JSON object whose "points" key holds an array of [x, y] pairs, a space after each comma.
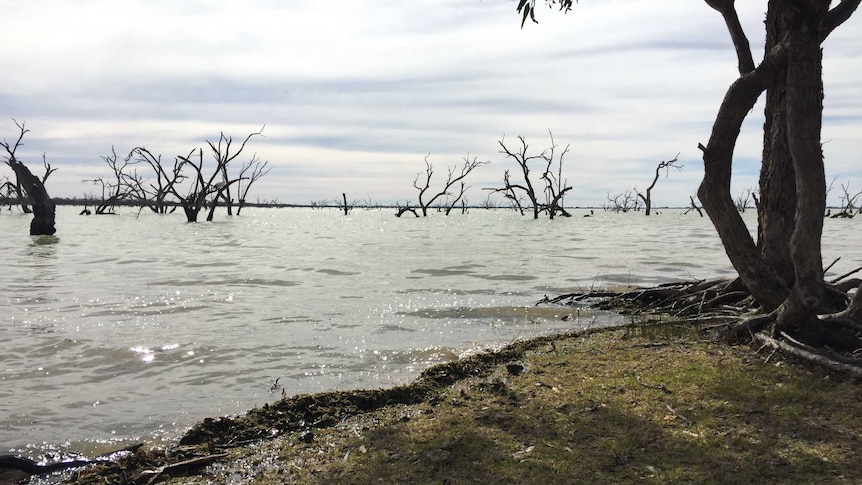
{"points": [[135, 326]]}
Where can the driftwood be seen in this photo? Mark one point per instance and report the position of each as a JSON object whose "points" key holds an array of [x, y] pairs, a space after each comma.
{"points": [[179, 467], [30, 467]]}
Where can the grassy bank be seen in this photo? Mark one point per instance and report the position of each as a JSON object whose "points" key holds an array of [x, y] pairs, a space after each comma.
{"points": [[648, 404]]}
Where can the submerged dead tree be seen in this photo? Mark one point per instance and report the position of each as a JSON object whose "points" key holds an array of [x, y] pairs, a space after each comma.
{"points": [[152, 191], [113, 191], [622, 202], [554, 186], [783, 269], [663, 165], [453, 189], [250, 173], [30, 189]]}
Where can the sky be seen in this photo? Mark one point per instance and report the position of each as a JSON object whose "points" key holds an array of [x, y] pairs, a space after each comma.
{"points": [[354, 94]]}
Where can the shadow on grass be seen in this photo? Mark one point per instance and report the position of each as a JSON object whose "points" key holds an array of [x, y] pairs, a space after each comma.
{"points": [[593, 422]]}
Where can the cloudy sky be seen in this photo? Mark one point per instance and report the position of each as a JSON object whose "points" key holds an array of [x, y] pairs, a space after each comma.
{"points": [[355, 93]]}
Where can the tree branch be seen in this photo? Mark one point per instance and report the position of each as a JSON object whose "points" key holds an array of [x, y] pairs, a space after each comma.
{"points": [[737, 35], [714, 190], [837, 16]]}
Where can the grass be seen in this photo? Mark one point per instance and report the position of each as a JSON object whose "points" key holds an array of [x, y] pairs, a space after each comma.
{"points": [[651, 403]]}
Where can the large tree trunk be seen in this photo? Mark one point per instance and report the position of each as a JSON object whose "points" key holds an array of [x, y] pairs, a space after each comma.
{"points": [[43, 207], [784, 270], [777, 208], [804, 111]]}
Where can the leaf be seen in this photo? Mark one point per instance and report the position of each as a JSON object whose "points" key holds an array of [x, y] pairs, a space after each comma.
{"points": [[527, 11]]}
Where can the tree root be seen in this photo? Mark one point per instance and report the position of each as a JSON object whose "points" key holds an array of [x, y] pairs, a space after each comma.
{"points": [[834, 340], [805, 352]]}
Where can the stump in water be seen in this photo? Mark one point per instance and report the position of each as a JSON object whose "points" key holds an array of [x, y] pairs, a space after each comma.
{"points": [[43, 207]]}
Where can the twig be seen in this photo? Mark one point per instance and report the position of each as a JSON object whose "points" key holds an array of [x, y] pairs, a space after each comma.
{"points": [[675, 413], [660, 387], [836, 280], [191, 463], [831, 265]]}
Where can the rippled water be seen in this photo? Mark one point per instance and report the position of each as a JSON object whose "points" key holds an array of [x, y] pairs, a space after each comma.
{"points": [[133, 327]]}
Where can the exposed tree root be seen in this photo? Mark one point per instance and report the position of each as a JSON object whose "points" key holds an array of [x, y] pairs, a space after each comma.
{"points": [[720, 297], [834, 340], [802, 351]]}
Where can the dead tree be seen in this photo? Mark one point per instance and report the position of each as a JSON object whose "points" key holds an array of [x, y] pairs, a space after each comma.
{"points": [[116, 191], [152, 192], [250, 172], [30, 189], [454, 179], [848, 203], [202, 185], [622, 202], [555, 187], [221, 152], [345, 206], [7, 191], [508, 191], [43, 207], [666, 166], [693, 207], [743, 200], [10, 160]]}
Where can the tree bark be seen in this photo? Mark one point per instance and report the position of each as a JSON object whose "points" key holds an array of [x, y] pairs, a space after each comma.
{"points": [[776, 210], [785, 270], [43, 207], [714, 190], [804, 111]]}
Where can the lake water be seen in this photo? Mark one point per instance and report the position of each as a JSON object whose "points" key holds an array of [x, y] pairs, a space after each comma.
{"points": [[134, 327]]}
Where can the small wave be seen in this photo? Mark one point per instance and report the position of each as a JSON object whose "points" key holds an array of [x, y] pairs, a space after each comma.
{"points": [[506, 277], [511, 313], [443, 272], [335, 272]]}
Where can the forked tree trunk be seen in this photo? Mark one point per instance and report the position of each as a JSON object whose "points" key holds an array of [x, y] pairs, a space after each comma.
{"points": [[784, 269]]}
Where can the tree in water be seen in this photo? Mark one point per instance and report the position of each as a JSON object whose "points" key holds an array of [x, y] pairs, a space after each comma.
{"points": [[663, 165], [555, 187], [783, 269], [453, 189], [30, 189]]}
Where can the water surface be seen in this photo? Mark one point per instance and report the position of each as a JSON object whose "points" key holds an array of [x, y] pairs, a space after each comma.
{"points": [[135, 326]]}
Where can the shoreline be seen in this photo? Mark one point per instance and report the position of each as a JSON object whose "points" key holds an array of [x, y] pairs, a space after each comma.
{"points": [[592, 403]]}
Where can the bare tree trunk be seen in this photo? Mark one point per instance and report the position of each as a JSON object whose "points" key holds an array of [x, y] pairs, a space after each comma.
{"points": [[43, 207], [714, 191], [777, 207], [784, 270], [804, 119], [661, 165]]}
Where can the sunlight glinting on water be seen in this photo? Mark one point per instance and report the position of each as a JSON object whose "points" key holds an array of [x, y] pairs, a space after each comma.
{"points": [[134, 327]]}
